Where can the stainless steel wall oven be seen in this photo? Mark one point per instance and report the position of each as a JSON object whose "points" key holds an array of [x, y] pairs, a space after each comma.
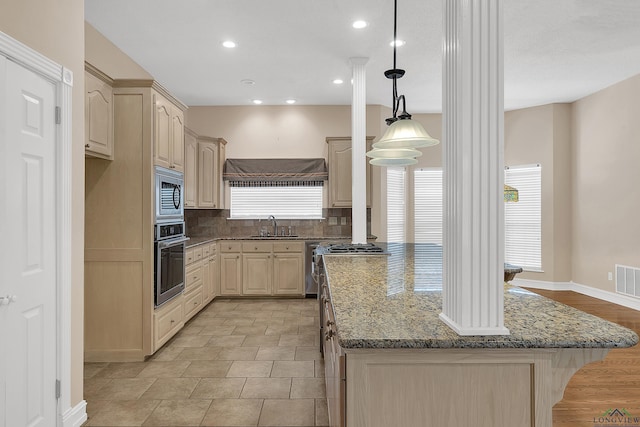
{"points": [[169, 261]]}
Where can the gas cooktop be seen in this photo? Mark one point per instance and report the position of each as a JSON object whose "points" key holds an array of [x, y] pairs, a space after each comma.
{"points": [[352, 248]]}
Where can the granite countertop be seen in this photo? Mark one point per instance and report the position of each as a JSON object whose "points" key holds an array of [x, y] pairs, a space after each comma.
{"points": [[195, 241], [393, 301]]}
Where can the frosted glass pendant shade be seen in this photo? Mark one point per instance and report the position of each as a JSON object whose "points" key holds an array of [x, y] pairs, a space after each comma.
{"points": [[393, 153], [393, 161], [406, 134]]}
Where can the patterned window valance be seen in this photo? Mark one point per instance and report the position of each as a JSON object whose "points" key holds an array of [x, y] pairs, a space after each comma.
{"points": [[275, 172]]}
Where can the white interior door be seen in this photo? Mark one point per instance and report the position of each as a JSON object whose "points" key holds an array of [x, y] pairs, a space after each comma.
{"points": [[28, 258]]}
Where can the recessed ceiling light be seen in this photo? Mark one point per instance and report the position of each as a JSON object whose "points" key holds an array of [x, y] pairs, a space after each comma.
{"points": [[290, 101], [397, 43], [338, 82], [257, 101], [248, 82], [359, 24], [229, 43]]}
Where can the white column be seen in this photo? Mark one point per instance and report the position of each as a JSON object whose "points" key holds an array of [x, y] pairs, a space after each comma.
{"points": [[472, 115], [358, 150]]}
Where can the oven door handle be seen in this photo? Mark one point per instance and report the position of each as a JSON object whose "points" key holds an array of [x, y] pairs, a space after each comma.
{"points": [[173, 242]]}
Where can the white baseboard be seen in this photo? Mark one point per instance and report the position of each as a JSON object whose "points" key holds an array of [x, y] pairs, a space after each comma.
{"points": [[612, 297], [74, 417]]}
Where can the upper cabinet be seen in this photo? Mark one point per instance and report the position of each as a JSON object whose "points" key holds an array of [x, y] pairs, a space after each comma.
{"points": [[190, 169], [340, 155], [98, 114], [204, 159], [168, 148]]}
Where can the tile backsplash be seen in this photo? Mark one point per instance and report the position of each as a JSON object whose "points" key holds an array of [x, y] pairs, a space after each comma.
{"points": [[336, 222]]}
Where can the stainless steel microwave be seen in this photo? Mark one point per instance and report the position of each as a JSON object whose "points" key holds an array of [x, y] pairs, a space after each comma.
{"points": [[169, 195]]}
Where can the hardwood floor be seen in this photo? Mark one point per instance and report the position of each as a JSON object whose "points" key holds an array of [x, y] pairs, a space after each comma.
{"points": [[613, 383]]}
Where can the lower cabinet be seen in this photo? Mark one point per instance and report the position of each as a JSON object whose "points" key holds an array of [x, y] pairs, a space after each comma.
{"points": [[167, 321], [257, 274], [230, 269], [288, 269]]}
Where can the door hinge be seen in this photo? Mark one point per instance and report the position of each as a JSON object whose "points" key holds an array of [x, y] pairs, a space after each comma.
{"points": [[58, 115], [58, 389]]}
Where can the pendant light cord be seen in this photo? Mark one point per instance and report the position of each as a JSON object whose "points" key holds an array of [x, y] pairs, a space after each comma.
{"points": [[395, 42]]}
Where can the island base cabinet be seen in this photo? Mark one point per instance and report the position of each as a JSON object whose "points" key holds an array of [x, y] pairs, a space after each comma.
{"points": [[457, 387]]}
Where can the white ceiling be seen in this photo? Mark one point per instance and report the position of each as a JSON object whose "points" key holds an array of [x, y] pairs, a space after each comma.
{"points": [[554, 50]]}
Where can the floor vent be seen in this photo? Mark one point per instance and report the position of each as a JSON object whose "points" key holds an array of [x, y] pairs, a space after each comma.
{"points": [[628, 280]]}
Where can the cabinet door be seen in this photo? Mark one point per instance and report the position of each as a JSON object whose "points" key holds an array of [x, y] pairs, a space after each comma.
{"points": [[190, 171], [206, 281], [207, 172], [214, 276], [218, 177], [340, 166], [162, 132], [98, 118], [177, 139], [288, 273], [256, 274], [230, 274]]}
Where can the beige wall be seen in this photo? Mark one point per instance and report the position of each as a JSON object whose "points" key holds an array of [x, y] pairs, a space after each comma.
{"points": [[542, 135], [108, 58], [605, 175], [56, 30], [284, 132]]}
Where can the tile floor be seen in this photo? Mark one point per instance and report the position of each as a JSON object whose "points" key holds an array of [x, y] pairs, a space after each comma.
{"points": [[236, 363]]}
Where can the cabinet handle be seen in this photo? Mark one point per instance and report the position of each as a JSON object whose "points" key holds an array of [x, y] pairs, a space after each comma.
{"points": [[173, 321], [256, 248], [237, 256], [287, 247], [195, 303], [329, 323], [172, 167], [268, 256], [87, 146], [275, 256], [329, 335]]}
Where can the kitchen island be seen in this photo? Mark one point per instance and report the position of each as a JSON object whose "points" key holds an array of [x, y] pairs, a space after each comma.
{"points": [[389, 360]]}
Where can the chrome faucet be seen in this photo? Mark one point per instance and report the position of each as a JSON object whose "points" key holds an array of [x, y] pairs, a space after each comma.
{"points": [[275, 224]]}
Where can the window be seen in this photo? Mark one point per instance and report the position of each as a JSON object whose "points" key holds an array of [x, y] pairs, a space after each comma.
{"points": [[428, 206], [428, 228], [522, 219], [396, 204], [284, 202]]}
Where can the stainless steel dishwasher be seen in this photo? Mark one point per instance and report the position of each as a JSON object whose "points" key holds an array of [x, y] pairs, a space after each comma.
{"points": [[310, 286]]}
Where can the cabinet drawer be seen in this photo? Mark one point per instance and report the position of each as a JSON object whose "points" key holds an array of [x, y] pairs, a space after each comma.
{"points": [[206, 251], [230, 246], [288, 246], [192, 255], [257, 247], [168, 321], [192, 303], [213, 249], [193, 276]]}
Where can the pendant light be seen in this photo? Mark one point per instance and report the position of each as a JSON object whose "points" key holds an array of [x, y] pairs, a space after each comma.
{"points": [[403, 135]]}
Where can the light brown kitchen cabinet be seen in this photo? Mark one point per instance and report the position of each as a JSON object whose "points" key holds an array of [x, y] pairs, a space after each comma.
{"points": [[204, 161], [288, 268], [207, 174], [167, 321], [257, 268], [168, 148], [230, 269], [98, 114], [190, 169], [266, 268], [214, 275], [121, 320], [340, 165]]}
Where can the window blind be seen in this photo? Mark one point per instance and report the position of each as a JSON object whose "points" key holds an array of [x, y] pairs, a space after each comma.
{"points": [[428, 206], [522, 219], [299, 202], [396, 205]]}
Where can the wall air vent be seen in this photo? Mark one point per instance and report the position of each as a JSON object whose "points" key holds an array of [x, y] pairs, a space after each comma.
{"points": [[628, 280]]}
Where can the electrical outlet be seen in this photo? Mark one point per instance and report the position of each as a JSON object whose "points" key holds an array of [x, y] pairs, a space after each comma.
{"points": [[333, 220], [343, 220], [610, 276]]}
